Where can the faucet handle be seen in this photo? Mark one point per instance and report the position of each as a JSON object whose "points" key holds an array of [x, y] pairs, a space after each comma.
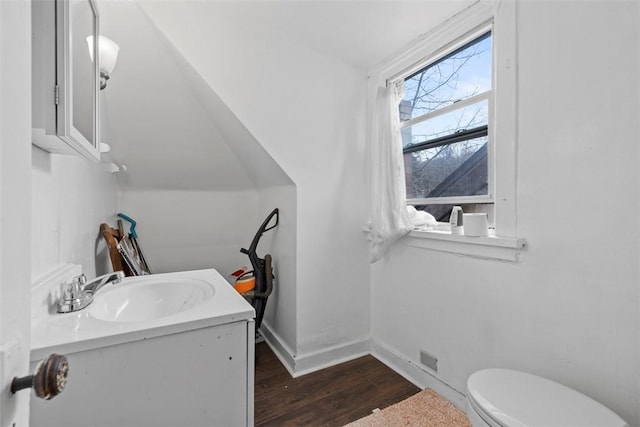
{"points": [[82, 279], [71, 291], [74, 296]]}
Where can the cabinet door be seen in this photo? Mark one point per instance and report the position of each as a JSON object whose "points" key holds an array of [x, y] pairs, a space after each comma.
{"points": [[65, 80], [77, 76]]}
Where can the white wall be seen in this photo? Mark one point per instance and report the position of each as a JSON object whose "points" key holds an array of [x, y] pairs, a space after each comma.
{"points": [[569, 310], [198, 182], [190, 230], [71, 197], [280, 312], [307, 111]]}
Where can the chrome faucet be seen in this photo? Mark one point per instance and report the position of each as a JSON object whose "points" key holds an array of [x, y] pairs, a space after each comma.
{"points": [[79, 293], [96, 284]]}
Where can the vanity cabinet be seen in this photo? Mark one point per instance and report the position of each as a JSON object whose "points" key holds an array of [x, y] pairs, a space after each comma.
{"points": [[65, 79]]}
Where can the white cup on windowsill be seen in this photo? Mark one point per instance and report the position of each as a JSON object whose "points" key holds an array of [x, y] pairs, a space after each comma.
{"points": [[475, 224]]}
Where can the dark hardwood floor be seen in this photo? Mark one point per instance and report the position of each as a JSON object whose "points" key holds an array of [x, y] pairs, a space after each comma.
{"points": [[331, 397]]}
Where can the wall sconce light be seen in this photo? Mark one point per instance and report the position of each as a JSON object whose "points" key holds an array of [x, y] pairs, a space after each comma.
{"points": [[108, 56]]}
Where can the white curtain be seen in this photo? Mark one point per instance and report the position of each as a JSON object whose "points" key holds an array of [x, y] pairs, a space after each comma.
{"points": [[389, 219]]}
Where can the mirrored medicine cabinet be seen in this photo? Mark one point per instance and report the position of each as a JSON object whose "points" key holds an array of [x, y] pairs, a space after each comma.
{"points": [[65, 86]]}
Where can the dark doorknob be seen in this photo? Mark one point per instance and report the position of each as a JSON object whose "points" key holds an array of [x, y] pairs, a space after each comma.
{"points": [[48, 380]]}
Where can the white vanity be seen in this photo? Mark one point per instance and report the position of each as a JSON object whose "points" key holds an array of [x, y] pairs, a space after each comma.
{"points": [[173, 349]]}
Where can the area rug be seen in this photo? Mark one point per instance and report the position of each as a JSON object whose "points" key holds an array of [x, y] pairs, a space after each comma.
{"points": [[425, 409]]}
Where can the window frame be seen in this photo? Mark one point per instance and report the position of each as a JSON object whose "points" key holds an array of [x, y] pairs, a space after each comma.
{"points": [[501, 18], [442, 53]]}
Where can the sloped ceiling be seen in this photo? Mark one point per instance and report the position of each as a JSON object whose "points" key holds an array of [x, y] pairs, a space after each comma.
{"points": [[174, 133], [360, 32], [158, 124]]}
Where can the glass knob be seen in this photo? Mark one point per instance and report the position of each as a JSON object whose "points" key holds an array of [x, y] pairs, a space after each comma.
{"points": [[48, 380]]}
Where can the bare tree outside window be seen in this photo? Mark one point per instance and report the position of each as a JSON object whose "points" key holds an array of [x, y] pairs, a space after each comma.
{"points": [[445, 116]]}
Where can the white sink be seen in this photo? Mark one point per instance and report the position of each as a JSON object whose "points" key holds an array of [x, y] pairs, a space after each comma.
{"points": [[149, 297], [141, 308]]}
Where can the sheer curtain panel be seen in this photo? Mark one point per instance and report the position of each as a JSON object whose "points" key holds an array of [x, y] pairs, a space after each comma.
{"points": [[389, 219]]}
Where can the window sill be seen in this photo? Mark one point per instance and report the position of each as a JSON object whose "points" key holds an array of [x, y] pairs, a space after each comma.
{"points": [[489, 247]]}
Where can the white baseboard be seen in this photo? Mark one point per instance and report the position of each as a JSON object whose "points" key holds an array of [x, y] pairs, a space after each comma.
{"points": [[279, 348], [417, 375], [302, 364], [326, 357]]}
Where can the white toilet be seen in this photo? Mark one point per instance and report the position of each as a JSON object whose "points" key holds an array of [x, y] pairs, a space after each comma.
{"points": [[508, 398]]}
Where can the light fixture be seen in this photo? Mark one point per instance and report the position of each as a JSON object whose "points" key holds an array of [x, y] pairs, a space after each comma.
{"points": [[108, 56]]}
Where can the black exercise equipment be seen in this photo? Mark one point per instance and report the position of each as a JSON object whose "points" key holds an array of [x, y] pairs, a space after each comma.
{"points": [[262, 270]]}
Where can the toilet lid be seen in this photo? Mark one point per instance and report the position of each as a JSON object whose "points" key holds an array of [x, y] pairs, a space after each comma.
{"points": [[513, 398]]}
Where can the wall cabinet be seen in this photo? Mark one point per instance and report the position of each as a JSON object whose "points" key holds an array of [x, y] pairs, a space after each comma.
{"points": [[65, 85]]}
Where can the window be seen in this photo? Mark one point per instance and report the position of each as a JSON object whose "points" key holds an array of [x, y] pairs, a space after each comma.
{"points": [[445, 125], [487, 28]]}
